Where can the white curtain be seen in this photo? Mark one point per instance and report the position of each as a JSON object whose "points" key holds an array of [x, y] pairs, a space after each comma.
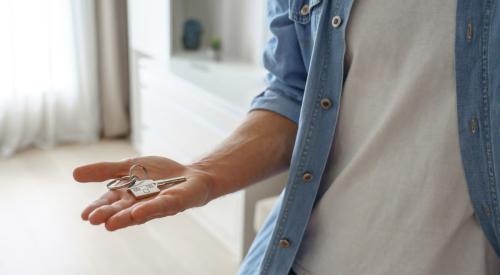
{"points": [[48, 75], [113, 66]]}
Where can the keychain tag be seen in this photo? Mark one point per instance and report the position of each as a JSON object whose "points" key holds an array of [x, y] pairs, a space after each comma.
{"points": [[144, 188]]}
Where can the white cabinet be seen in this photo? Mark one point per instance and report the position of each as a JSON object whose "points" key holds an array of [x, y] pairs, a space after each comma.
{"points": [[183, 105], [149, 28]]}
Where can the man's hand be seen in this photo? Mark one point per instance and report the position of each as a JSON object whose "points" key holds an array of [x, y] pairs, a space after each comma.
{"points": [[118, 209], [260, 147]]}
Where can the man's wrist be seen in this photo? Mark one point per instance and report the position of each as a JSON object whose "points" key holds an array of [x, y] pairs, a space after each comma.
{"points": [[210, 178]]}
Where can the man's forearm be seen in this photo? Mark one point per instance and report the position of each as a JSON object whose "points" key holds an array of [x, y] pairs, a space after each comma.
{"points": [[260, 147]]}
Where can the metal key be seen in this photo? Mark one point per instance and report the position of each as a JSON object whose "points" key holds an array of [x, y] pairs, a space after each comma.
{"points": [[146, 188]]}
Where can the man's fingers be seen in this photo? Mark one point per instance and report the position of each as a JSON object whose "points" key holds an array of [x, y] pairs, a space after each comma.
{"points": [[103, 213], [120, 220], [161, 206], [101, 171], [124, 218], [107, 198]]}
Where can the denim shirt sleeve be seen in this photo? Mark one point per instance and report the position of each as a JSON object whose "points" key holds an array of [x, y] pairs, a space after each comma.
{"points": [[283, 61]]}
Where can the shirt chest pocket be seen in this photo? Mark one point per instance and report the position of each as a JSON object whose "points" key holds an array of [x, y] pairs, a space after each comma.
{"points": [[304, 11], [306, 16]]}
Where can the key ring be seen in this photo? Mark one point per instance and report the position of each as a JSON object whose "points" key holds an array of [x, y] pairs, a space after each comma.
{"points": [[123, 182], [127, 181], [131, 170]]}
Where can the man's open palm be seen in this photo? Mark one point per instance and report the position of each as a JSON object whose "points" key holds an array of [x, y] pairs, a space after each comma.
{"points": [[118, 208]]}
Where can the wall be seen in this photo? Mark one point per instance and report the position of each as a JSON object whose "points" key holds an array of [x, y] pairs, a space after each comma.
{"points": [[240, 24]]}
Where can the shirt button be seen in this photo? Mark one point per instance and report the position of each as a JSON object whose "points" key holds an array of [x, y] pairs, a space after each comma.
{"points": [[336, 21], [326, 103], [305, 10], [284, 243], [470, 31], [307, 177], [486, 209], [473, 125]]}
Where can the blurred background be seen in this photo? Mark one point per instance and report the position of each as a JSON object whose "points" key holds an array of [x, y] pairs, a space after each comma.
{"points": [[103, 80]]}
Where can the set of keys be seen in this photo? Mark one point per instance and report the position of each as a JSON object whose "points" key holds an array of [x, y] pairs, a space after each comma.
{"points": [[142, 188]]}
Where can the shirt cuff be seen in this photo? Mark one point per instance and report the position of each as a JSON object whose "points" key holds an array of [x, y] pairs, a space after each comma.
{"points": [[278, 103]]}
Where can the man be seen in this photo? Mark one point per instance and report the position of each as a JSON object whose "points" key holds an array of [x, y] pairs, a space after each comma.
{"points": [[409, 184]]}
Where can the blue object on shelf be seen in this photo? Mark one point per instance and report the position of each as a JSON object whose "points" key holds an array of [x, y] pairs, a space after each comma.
{"points": [[191, 38]]}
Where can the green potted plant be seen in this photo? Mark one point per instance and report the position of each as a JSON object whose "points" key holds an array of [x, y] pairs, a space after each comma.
{"points": [[216, 47]]}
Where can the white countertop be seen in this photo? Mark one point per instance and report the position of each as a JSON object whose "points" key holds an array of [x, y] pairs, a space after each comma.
{"points": [[232, 81]]}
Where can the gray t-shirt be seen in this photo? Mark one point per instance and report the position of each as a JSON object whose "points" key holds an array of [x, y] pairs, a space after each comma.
{"points": [[395, 197]]}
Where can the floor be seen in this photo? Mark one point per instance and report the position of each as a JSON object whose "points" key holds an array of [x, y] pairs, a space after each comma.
{"points": [[41, 231]]}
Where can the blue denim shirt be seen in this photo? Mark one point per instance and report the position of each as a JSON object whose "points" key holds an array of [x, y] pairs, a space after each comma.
{"points": [[305, 59]]}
